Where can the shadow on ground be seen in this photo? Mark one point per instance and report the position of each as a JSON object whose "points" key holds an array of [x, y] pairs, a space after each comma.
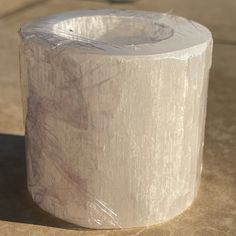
{"points": [[16, 204]]}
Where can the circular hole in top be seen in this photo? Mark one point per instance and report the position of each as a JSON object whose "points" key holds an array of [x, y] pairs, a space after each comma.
{"points": [[118, 30]]}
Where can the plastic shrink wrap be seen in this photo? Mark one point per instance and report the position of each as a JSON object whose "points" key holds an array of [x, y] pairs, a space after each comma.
{"points": [[114, 111]]}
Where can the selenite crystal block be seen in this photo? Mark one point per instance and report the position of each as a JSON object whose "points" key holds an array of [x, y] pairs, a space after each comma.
{"points": [[114, 110]]}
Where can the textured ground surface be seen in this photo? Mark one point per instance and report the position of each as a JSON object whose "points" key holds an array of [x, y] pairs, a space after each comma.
{"points": [[214, 211]]}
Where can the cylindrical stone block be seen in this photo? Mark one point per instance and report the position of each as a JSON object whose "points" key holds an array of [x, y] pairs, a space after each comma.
{"points": [[114, 110]]}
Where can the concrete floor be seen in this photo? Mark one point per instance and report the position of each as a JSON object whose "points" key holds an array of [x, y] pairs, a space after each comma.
{"points": [[214, 211]]}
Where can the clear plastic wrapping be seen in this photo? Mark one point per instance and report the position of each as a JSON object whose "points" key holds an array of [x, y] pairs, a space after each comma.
{"points": [[114, 109]]}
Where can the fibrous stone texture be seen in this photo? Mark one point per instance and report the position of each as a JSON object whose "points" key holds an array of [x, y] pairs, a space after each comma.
{"points": [[114, 109]]}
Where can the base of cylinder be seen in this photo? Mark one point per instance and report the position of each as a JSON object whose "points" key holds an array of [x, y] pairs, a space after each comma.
{"points": [[86, 224]]}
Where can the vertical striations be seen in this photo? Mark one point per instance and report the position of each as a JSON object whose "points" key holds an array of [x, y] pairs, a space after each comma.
{"points": [[114, 136]]}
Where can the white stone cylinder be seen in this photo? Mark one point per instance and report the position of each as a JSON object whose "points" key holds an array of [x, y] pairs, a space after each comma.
{"points": [[114, 108]]}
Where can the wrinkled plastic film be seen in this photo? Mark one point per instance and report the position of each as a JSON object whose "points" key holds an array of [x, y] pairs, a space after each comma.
{"points": [[111, 99]]}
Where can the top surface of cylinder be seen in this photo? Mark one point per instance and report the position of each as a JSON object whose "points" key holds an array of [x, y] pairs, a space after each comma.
{"points": [[118, 32]]}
